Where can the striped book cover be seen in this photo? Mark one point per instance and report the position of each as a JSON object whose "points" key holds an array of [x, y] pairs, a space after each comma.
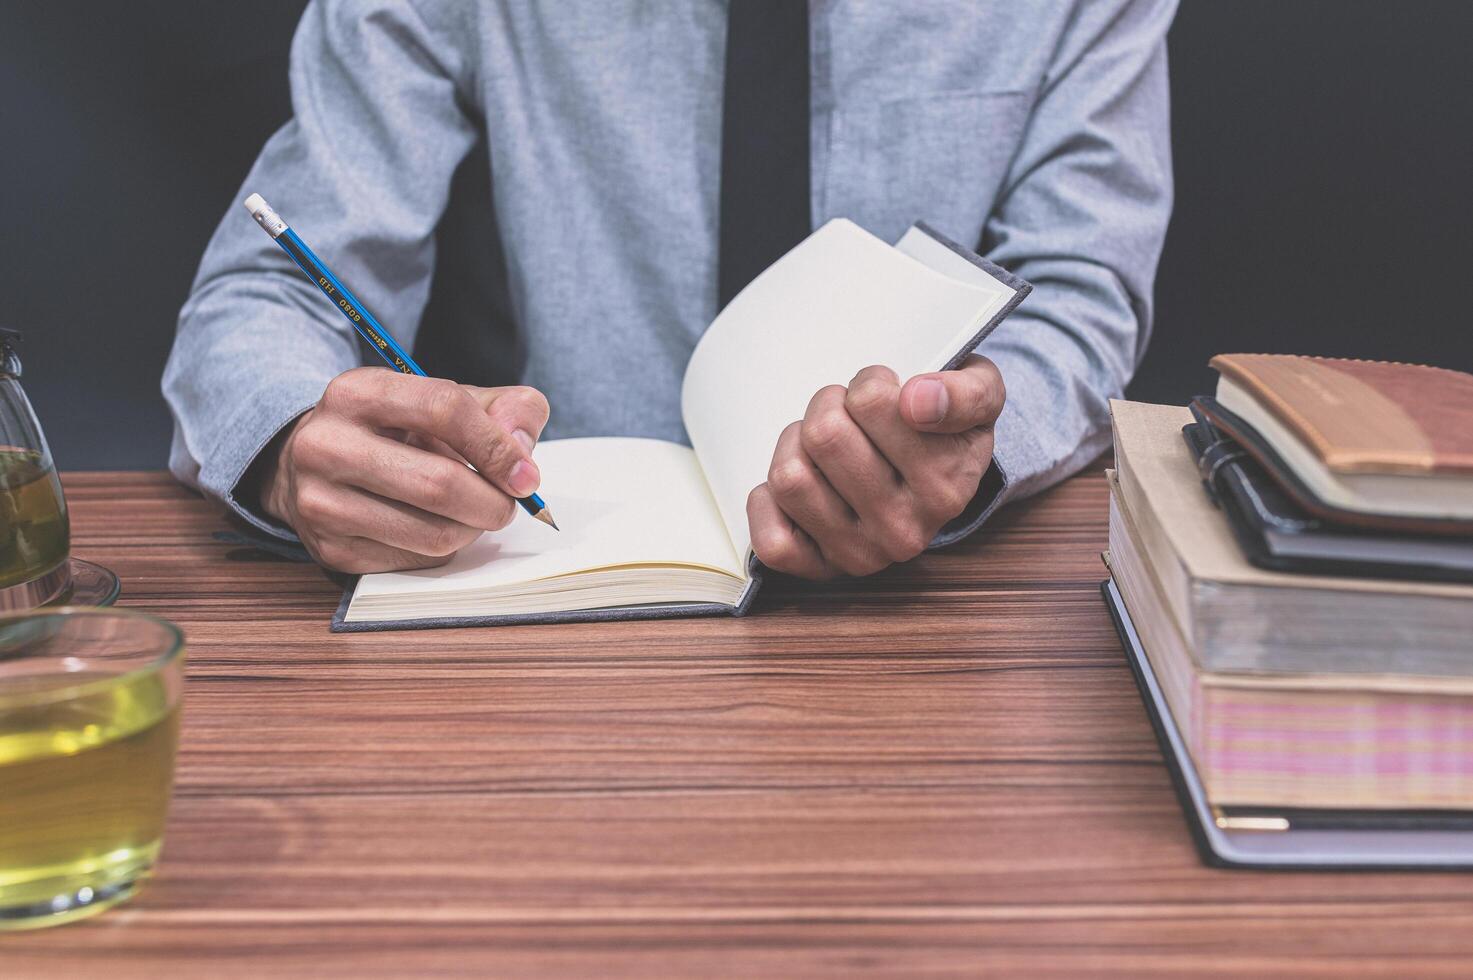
{"points": [[1300, 740]]}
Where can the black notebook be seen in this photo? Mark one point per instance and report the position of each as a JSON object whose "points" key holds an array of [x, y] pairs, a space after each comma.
{"points": [[1275, 532]]}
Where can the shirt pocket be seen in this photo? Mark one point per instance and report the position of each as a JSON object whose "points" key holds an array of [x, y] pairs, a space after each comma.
{"points": [[940, 158]]}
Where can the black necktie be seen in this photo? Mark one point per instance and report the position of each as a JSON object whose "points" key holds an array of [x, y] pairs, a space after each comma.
{"points": [[764, 139]]}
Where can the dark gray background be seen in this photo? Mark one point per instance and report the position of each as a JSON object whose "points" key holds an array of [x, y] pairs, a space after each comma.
{"points": [[1322, 148]]}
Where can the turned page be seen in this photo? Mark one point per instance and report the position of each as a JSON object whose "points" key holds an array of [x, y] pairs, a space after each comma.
{"points": [[837, 303], [619, 502]]}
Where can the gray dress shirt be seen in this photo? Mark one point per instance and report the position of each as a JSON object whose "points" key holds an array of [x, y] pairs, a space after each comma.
{"points": [[1036, 131]]}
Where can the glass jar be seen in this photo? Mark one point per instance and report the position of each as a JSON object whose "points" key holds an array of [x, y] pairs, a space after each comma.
{"points": [[34, 534]]}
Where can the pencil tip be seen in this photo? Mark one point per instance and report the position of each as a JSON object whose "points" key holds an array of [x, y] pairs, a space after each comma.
{"points": [[545, 516]]}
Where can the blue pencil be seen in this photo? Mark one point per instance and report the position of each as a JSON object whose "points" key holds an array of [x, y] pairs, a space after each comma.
{"points": [[363, 321]]}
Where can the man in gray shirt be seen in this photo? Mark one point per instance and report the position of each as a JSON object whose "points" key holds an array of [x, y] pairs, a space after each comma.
{"points": [[1037, 132]]}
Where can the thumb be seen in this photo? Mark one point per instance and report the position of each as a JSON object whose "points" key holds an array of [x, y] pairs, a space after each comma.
{"points": [[519, 410], [954, 401]]}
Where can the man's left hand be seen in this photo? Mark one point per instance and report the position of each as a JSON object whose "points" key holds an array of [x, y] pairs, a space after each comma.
{"points": [[874, 470]]}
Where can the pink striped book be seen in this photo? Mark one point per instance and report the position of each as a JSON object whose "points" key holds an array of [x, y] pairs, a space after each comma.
{"points": [[1321, 740]]}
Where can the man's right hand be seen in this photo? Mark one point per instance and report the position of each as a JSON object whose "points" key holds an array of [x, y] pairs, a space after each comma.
{"points": [[374, 478]]}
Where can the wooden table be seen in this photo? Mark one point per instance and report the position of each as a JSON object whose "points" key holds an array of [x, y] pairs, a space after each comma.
{"points": [[944, 768]]}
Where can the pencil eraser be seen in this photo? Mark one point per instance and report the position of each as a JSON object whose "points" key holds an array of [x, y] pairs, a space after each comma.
{"points": [[265, 217]]}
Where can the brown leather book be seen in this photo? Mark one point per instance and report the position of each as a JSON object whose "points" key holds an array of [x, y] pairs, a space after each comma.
{"points": [[1365, 436]]}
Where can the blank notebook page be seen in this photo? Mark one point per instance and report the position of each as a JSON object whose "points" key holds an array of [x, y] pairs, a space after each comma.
{"points": [[839, 302], [618, 502]]}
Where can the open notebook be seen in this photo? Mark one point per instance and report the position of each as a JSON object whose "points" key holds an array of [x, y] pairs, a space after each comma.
{"points": [[652, 528]]}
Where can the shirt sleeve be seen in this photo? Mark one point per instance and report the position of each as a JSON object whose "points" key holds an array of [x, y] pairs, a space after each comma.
{"points": [[381, 118], [1081, 215]]}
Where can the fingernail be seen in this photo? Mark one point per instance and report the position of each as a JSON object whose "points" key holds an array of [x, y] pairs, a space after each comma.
{"points": [[928, 401], [524, 478], [525, 438]]}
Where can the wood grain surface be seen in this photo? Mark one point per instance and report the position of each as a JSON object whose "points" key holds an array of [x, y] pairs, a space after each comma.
{"points": [[944, 769]]}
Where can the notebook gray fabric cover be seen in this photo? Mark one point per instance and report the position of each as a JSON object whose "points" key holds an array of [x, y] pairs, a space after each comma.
{"points": [[983, 504]]}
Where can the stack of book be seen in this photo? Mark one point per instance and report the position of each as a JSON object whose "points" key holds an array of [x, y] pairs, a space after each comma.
{"points": [[1291, 572]]}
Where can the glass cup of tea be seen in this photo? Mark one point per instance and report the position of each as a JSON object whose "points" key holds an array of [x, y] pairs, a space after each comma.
{"points": [[89, 721], [34, 534]]}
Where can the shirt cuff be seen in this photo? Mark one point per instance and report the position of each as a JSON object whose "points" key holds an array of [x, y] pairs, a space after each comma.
{"points": [[1014, 472], [991, 493], [248, 431]]}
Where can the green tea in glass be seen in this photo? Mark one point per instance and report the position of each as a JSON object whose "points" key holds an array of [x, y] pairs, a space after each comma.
{"points": [[89, 721], [34, 535]]}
